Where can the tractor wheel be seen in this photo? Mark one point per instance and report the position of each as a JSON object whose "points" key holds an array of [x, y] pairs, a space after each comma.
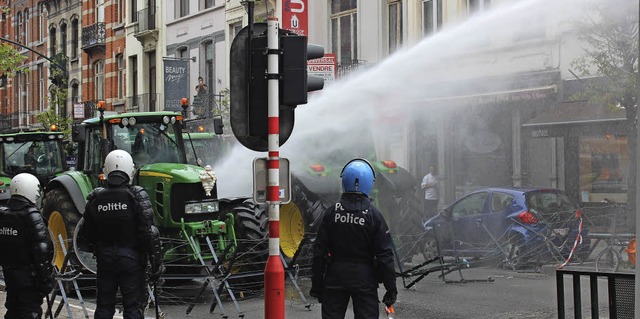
{"points": [[300, 218], [251, 222], [62, 217]]}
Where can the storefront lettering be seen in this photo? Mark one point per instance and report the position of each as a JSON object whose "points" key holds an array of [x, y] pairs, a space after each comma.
{"points": [[540, 133]]}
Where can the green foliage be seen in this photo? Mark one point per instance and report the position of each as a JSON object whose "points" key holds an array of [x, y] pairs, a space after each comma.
{"points": [[50, 117], [610, 31], [10, 60]]}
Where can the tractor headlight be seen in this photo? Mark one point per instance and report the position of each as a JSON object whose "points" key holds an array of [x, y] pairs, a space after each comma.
{"points": [[201, 207]]}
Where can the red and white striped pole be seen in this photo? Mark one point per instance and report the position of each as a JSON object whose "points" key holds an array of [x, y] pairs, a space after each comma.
{"points": [[274, 271]]}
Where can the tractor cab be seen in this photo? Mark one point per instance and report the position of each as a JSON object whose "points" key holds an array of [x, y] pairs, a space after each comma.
{"points": [[38, 153]]}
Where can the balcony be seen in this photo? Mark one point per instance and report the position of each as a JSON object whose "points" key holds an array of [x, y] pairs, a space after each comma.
{"points": [[142, 103], [94, 37], [348, 66], [146, 31]]}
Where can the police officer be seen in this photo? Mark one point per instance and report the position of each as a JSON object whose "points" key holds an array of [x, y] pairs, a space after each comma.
{"points": [[352, 251], [118, 222], [27, 250]]}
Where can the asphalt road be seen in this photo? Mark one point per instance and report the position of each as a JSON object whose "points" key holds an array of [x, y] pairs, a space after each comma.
{"points": [[509, 295]]}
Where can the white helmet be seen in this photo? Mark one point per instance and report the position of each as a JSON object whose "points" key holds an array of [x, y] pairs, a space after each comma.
{"points": [[119, 160], [27, 186]]}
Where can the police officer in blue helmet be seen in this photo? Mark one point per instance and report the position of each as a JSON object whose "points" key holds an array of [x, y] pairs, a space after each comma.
{"points": [[352, 252]]}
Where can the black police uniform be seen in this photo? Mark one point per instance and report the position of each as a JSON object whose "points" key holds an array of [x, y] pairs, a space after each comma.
{"points": [[118, 221], [27, 252], [351, 254]]}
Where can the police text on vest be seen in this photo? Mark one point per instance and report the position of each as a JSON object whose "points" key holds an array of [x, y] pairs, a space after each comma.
{"points": [[8, 231], [111, 207], [349, 218]]}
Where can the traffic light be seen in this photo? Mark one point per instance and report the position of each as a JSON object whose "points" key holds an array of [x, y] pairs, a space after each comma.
{"points": [[294, 80], [249, 91]]}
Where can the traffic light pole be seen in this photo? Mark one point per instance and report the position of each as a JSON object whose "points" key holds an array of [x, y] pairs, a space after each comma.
{"points": [[274, 270]]}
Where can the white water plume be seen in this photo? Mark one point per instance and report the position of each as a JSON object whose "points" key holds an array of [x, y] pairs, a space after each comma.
{"points": [[413, 82]]}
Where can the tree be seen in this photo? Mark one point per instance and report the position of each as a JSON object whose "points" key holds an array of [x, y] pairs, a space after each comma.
{"points": [[50, 117], [10, 60], [610, 31]]}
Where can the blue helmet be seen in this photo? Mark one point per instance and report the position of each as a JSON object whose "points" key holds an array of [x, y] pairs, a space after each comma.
{"points": [[358, 176]]}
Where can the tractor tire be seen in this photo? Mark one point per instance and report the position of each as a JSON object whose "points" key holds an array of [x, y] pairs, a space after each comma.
{"points": [[251, 222], [301, 219], [62, 217]]}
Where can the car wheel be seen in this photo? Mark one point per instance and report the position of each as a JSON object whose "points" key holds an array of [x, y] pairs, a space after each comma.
{"points": [[515, 252]]}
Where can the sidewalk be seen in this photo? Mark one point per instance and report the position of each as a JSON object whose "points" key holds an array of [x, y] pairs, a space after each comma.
{"points": [[74, 306]]}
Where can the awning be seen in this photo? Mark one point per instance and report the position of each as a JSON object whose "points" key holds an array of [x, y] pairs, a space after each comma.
{"points": [[516, 95], [578, 112]]}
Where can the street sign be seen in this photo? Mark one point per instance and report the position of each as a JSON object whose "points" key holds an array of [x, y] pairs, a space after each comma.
{"points": [[78, 111], [295, 16], [260, 180], [324, 67]]}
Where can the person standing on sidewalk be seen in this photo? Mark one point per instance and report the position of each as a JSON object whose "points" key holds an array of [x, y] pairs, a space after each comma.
{"points": [[27, 250], [118, 222], [352, 252], [430, 186]]}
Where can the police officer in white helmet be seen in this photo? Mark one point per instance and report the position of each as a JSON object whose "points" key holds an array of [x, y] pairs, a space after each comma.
{"points": [[26, 250], [118, 222], [353, 251]]}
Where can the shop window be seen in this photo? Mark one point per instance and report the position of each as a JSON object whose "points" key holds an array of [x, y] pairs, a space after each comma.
{"points": [[604, 166]]}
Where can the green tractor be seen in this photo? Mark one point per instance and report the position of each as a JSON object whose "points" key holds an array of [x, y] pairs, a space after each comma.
{"points": [[316, 187], [186, 208], [38, 153]]}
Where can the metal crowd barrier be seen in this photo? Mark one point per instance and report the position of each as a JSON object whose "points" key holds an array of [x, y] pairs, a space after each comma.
{"points": [[620, 293]]}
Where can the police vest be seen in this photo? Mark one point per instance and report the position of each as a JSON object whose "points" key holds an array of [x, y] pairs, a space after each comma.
{"points": [[115, 215], [14, 243]]}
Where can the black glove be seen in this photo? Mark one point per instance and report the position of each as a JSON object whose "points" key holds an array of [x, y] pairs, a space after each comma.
{"points": [[316, 293], [390, 297], [157, 269], [45, 284]]}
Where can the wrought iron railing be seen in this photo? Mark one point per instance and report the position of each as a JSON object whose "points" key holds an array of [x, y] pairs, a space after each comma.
{"points": [[9, 121], [94, 35], [346, 67], [146, 20], [90, 109]]}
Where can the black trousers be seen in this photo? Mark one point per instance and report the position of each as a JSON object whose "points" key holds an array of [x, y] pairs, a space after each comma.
{"points": [[124, 272], [23, 299], [335, 302]]}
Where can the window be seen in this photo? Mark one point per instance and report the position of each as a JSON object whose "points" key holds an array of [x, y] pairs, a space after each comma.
{"points": [[604, 166], [209, 4], [120, 11], [182, 52], [395, 25], [25, 26], [209, 71], [41, 85], [134, 10], [344, 30], [40, 30], [182, 8], [120, 79], [74, 38], [235, 29], [475, 6], [74, 93], [133, 63], [52, 42], [63, 39], [98, 72], [469, 206], [100, 11], [431, 16], [500, 201], [19, 28]]}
